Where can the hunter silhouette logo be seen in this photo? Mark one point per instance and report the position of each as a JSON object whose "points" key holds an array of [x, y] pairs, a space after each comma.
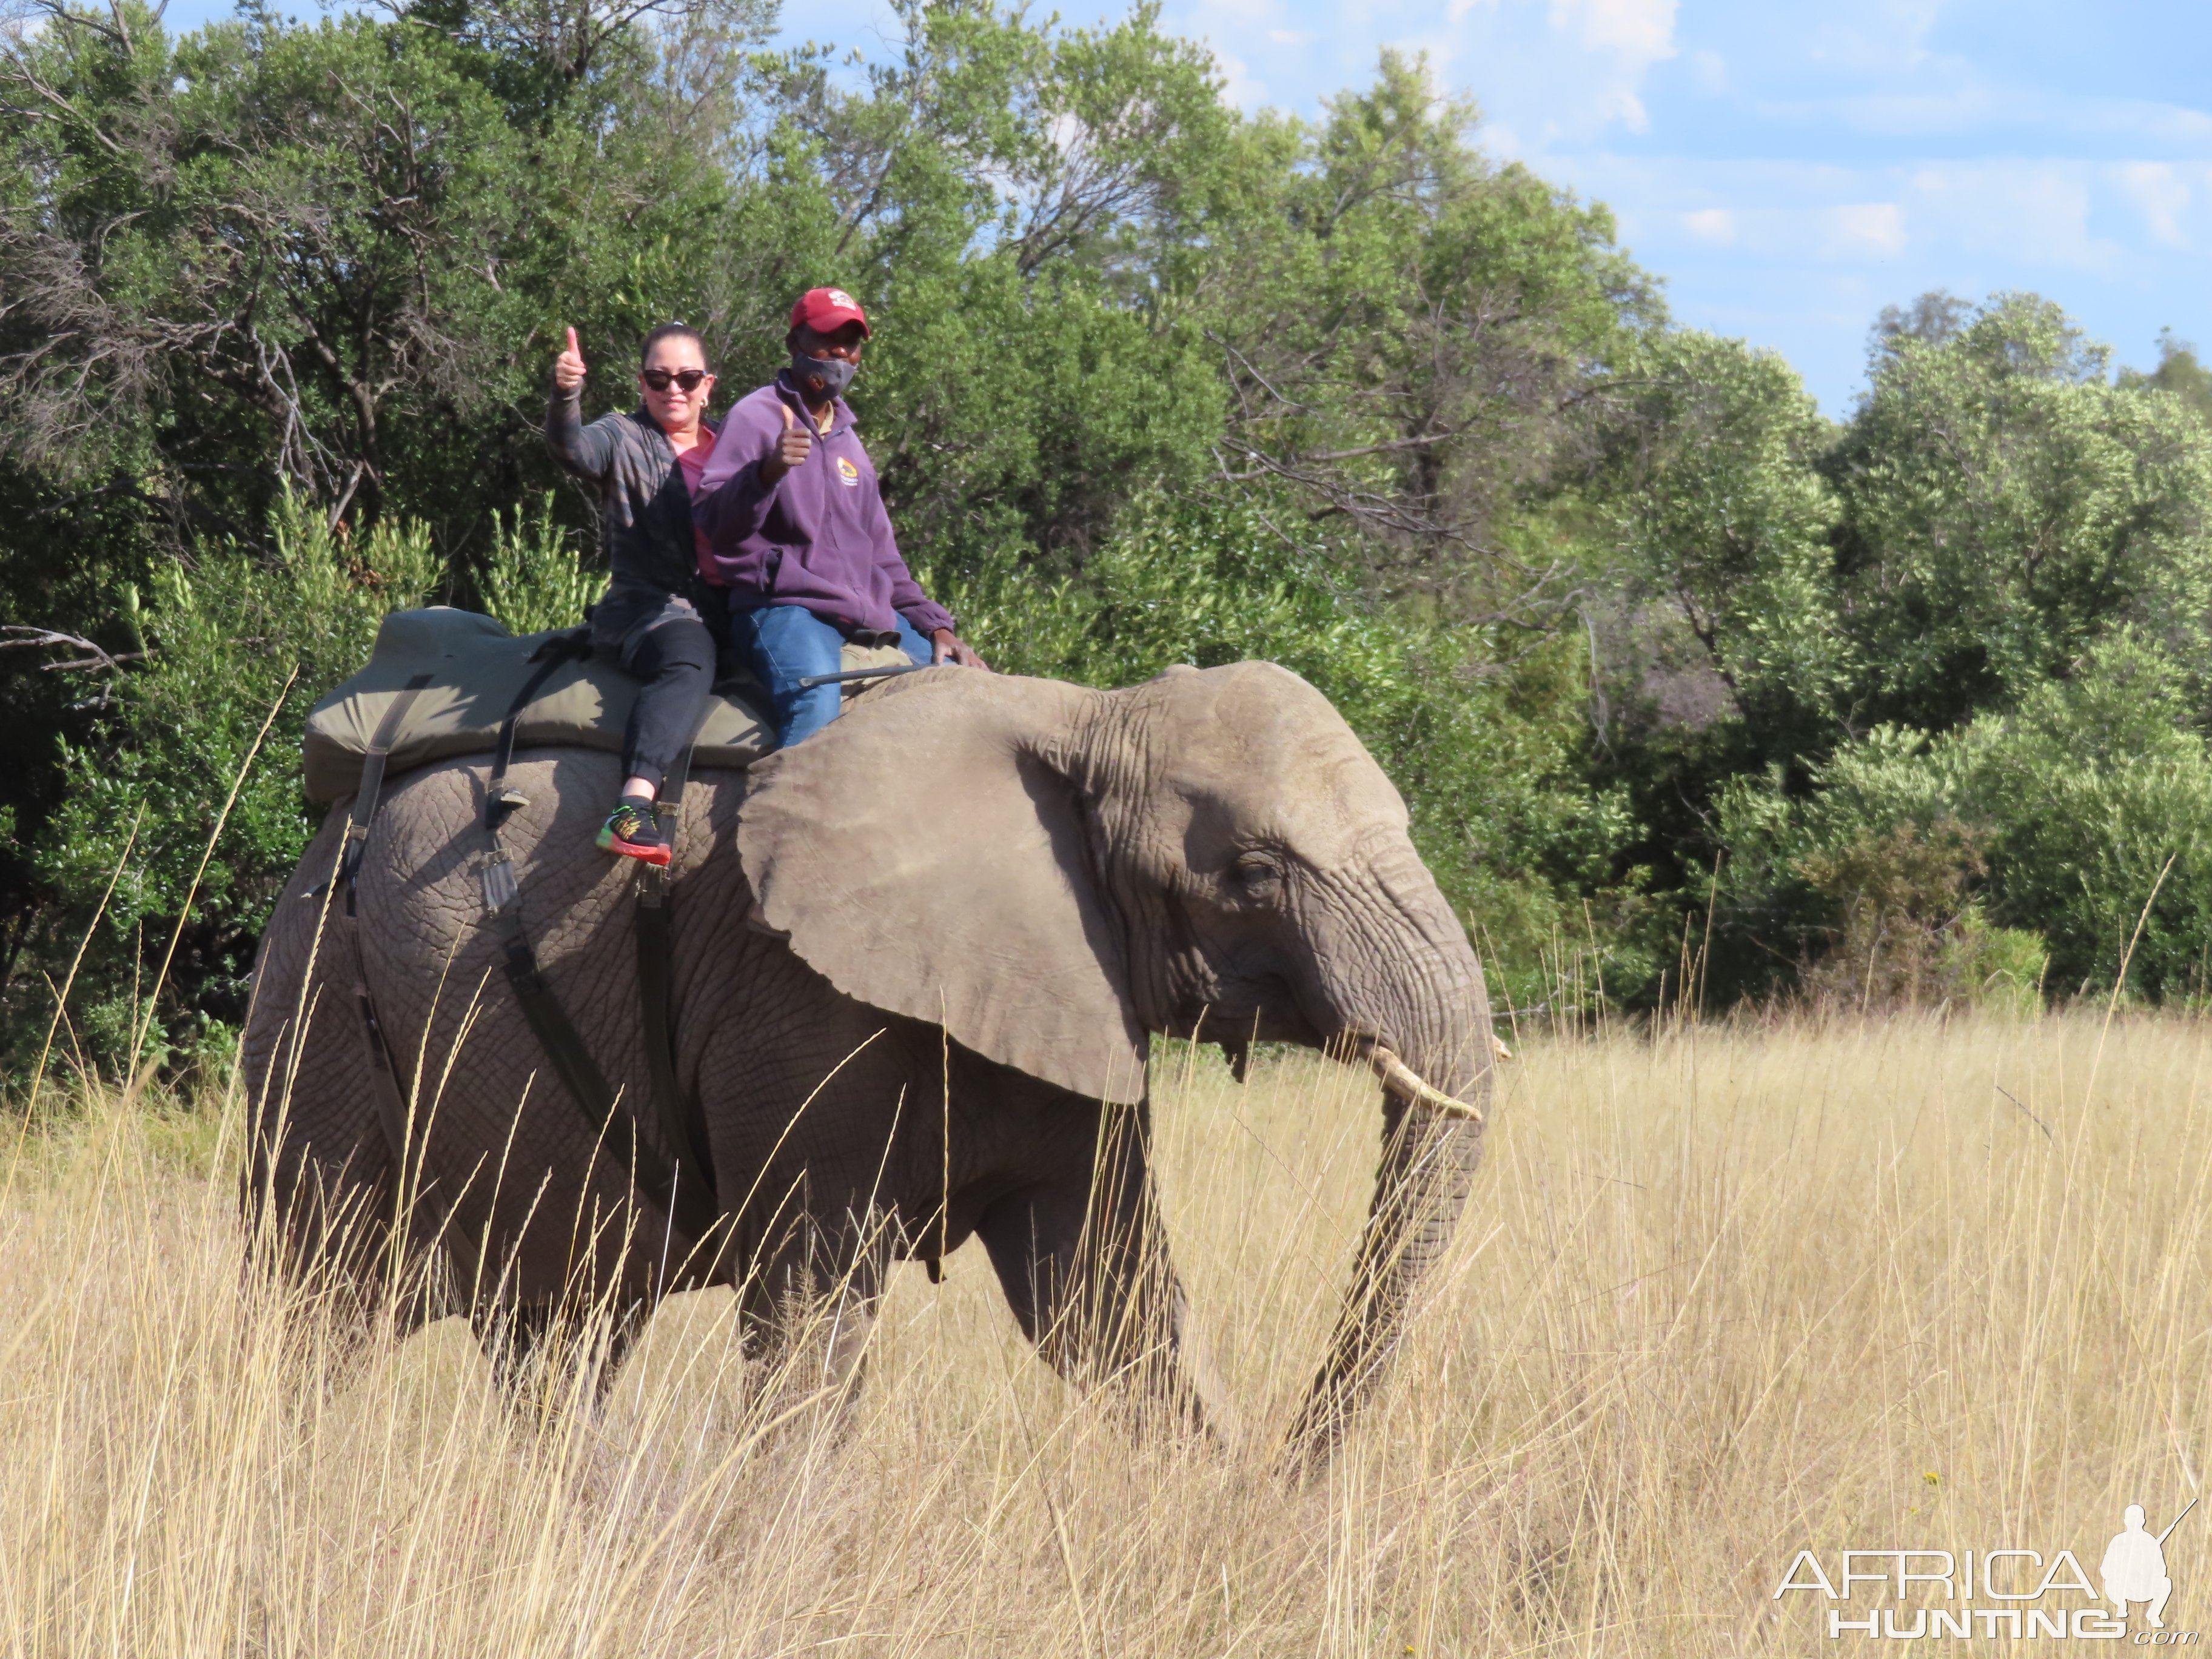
{"points": [[2014, 1594], [2134, 1569]]}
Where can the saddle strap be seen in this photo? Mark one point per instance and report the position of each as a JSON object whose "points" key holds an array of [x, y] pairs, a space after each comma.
{"points": [[687, 1202], [654, 926], [390, 1095]]}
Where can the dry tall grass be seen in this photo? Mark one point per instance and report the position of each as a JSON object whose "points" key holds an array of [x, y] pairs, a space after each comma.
{"points": [[1719, 1297]]}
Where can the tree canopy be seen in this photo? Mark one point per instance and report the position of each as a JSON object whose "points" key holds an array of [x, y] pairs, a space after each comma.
{"points": [[1153, 380]]}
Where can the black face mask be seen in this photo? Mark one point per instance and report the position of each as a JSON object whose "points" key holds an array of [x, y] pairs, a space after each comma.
{"points": [[834, 373]]}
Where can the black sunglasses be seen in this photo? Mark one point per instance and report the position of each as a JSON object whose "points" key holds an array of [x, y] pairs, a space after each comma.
{"points": [[658, 378]]}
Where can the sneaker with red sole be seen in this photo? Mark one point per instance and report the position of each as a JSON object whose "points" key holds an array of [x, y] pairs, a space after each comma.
{"points": [[631, 831]]}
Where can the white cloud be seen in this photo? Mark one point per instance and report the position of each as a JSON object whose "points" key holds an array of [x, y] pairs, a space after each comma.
{"points": [[1626, 38], [1864, 228], [1882, 36], [1293, 37], [1974, 227], [1621, 105], [1710, 225], [1710, 70], [2159, 191], [1899, 114], [1640, 29], [2159, 124], [1239, 85], [2020, 213], [1225, 23]]}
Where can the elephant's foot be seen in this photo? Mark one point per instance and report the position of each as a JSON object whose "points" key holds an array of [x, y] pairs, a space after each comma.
{"points": [[1156, 1396]]}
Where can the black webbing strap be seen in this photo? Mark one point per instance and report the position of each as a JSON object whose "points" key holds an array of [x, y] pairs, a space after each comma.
{"points": [[684, 1200], [656, 959], [391, 1097]]}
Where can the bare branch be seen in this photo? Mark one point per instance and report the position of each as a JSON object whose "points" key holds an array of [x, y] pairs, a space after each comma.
{"points": [[47, 638]]}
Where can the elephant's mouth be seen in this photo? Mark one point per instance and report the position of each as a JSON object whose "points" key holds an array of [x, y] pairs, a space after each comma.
{"points": [[1402, 1081]]}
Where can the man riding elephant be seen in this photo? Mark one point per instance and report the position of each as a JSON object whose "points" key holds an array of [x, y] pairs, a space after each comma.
{"points": [[797, 530]]}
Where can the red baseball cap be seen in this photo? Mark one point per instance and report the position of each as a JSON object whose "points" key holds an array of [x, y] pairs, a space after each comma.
{"points": [[826, 310]]}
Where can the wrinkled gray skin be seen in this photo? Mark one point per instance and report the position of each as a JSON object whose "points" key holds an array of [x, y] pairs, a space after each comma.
{"points": [[1051, 872]]}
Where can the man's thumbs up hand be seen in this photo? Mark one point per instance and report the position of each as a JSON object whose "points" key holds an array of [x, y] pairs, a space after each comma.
{"points": [[791, 450], [568, 367]]}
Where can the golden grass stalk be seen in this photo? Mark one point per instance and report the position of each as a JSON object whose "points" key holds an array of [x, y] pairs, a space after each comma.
{"points": [[1719, 1297]]}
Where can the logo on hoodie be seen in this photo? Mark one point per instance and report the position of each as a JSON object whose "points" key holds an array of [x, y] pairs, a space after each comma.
{"points": [[847, 474]]}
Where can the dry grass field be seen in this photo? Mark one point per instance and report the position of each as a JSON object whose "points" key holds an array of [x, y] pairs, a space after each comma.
{"points": [[1720, 1296]]}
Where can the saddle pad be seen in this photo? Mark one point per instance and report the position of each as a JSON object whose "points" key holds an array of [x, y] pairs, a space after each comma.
{"points": [[477, 668]]}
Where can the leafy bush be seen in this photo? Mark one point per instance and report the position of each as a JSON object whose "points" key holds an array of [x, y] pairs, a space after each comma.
{"points": [[535, 579], [1907, 933], [242, 640], [2068, 814]]}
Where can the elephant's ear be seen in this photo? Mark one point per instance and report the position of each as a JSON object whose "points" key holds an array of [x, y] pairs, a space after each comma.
{"points": [[927, 855]]}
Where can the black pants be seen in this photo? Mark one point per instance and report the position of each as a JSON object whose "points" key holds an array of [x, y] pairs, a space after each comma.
{"points": [[674, 661]]}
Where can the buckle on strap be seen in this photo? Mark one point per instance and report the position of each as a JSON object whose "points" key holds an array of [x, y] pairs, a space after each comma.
{"points": [[497, 881]]}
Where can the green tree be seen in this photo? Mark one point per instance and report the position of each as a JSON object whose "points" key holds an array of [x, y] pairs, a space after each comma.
{"points": [[2066, 814], [2004, 507], [2179, 371], [1724, 517], [1408, 332], [231, 642]]}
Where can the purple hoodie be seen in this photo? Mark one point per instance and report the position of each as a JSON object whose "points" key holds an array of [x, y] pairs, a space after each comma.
{"points": [[818, 537]]}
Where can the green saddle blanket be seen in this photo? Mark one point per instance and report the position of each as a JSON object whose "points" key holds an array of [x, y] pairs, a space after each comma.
{"points": [[476, 668]]}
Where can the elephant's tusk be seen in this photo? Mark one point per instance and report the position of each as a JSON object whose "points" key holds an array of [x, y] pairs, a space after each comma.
{"points": [[1402, 1080]]}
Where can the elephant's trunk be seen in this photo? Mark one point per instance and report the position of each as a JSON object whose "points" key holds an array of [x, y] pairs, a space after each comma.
{"points": [[1432, 1143]]}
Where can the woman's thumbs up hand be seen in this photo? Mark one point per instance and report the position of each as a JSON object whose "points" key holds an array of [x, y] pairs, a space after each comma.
{"points": [[568, 367], [791, 450]]}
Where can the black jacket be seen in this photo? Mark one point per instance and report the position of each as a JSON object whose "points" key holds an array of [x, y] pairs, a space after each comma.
{"points": [[645, 511]]}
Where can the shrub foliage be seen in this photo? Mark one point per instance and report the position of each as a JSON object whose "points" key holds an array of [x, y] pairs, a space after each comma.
{"points": [[1667, 665]]}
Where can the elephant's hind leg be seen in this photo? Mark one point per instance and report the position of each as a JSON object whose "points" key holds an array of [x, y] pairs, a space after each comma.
{"points": [[1084, 1261], [317, 1192]]}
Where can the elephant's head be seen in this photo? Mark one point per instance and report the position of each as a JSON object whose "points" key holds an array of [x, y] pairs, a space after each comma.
{"points": [[1053, 872]]}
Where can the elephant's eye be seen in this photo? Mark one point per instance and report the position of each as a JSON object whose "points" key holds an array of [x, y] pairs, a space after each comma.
{"points": [[1255, 874]]}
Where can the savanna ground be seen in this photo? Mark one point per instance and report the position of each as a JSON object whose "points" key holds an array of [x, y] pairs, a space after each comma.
{"points": [[1722, 1294]]}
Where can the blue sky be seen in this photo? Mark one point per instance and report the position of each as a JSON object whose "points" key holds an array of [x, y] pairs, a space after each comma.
{"points": [[1790, 167]]}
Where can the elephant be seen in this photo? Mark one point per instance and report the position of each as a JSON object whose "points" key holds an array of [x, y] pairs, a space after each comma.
{"points": [[918, 962]]}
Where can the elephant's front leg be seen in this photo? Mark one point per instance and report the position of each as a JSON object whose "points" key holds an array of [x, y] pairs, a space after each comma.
{"points": [[1084, 1259], [808, 1308]]}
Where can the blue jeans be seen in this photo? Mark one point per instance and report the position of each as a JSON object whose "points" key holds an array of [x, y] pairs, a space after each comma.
{"points": [[787, 643]]}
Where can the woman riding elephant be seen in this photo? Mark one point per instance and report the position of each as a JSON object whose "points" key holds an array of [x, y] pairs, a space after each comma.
{"points": [[646, 465], [913, 1000]]}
